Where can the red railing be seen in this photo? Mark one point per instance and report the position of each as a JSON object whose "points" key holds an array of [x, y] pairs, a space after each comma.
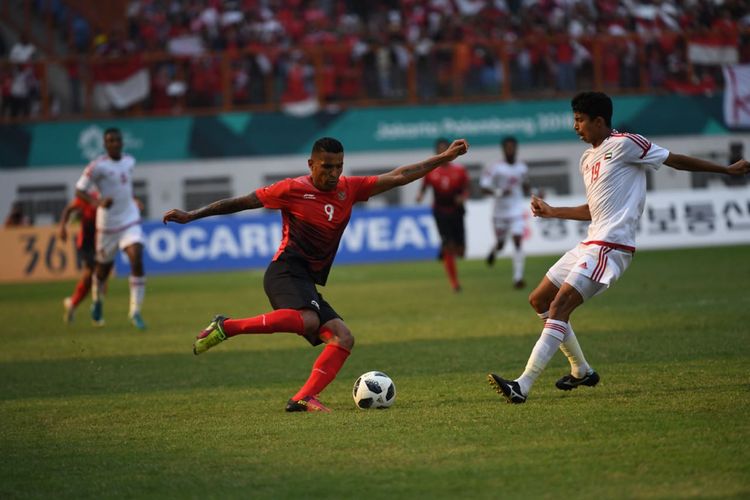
{"points": [[272, 79]]}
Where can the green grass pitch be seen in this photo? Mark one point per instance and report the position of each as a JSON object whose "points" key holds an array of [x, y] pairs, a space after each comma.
{"points": [[112, 413]]}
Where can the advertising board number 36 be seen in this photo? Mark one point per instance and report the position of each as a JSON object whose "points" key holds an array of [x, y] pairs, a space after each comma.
{"points": [[45, 253]]}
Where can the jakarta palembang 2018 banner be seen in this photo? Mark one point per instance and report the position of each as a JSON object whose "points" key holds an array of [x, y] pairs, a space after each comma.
{"points": [[233, 135]]}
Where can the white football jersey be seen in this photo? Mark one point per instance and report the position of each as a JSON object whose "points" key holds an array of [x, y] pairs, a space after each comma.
{"points": [[615, 177], [508, 177], [113, 179]]}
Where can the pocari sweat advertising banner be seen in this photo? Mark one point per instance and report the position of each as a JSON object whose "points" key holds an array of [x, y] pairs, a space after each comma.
{"points": [[235, 242], [671, 219]]}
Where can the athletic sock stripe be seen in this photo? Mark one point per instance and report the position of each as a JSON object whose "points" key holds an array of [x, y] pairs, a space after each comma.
{"points": [[555, 326]]}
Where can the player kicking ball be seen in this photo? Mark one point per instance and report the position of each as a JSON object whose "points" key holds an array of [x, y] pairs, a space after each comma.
{"points": [[614, 173], [315, 210]]}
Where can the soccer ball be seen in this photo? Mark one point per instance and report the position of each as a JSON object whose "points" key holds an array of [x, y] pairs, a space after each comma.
{"points": [[374, 390]]}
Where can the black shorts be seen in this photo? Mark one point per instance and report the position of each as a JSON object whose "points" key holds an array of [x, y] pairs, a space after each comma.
{"points": [[288, 285], [451, 227], [86, 256]]}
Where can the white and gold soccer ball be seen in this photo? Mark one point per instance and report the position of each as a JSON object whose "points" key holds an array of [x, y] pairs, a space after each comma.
{"points": [[374, 390]]}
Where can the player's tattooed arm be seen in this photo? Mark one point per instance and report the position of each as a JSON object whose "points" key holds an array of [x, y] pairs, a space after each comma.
{"points": [[408, 173], [221, 207]]}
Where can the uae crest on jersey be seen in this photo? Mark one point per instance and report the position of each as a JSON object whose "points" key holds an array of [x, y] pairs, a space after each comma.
{"points": [[608, 156], [341, 195]]}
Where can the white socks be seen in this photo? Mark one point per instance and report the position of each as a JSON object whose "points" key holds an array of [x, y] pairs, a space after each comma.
{"points": [[548, 343], [572, 350], [137, 291], [97, 289], [519, 258]]}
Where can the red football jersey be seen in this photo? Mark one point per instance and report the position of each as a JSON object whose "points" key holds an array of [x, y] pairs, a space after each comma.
{"points": [[448, 182], [87, 235], [314, 220]]}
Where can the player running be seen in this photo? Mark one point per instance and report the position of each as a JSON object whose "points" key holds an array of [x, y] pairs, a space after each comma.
{"points": [[315, 210], [85, 248], [118, 224], [450, 185], [614, 173], [508, 182]]}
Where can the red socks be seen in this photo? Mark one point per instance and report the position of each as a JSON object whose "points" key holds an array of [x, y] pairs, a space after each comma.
{"points": [[82, 289], [281, 320], [449, 262], [324, 370]]}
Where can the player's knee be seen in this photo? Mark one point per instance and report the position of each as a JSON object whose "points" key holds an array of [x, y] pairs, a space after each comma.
{"points": [[310, 321], [345, 339], [538, 302], [562, 305]]}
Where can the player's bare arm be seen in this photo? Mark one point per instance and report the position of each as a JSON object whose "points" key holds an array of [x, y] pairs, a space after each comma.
{"points": [[67, 212], [541, 208], [409, 173], [691, 164], [97, 202], [221, 207]]}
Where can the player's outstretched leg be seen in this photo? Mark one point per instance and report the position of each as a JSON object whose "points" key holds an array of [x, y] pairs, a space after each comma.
{"points": [[507, 388], [569, 382], [210, 336]]}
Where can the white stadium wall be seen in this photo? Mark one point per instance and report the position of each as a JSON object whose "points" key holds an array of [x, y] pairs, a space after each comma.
{"points": [[164, 183]]}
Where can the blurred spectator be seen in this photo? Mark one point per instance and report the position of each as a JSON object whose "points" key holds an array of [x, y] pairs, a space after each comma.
{"points": [[6, 82], [16, 216], [23, 88], [22, 51], [453, 47]]}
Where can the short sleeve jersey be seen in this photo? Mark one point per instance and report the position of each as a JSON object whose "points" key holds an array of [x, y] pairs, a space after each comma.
{"points": [[614, 174], [506, 179], [112, 179], [448, 182], [314, 220], [87, 235]]}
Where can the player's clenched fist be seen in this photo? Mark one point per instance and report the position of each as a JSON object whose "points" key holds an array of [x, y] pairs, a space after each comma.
{"points": [[741, 167], [178, 216], [539, 207], [457, 148]]}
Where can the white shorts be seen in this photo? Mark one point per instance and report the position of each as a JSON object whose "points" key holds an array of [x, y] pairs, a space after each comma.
{"points": [[107, 244], [590, 269], [503, 224]]}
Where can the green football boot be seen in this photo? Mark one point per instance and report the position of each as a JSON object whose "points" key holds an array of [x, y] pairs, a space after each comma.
{"points": [[210, 336]]}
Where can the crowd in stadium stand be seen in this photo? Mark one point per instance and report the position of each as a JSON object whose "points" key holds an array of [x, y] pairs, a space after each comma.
{"points": [[373, 44]]}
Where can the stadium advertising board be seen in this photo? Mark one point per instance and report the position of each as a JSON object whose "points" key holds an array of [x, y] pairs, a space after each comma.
{"points": [[37, 254], [237, 135], [226, 243], [670, 219]]}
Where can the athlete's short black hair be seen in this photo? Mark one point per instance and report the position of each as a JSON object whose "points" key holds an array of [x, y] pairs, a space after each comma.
{"points": [[593, 104], [112, 130], [327, 145], [508, 138], [442, 140]]}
